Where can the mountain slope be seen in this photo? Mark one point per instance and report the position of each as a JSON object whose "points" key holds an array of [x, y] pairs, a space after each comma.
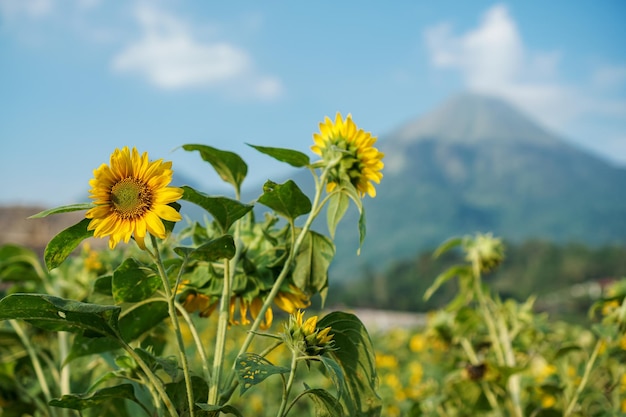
{"points": [[478, 164]]}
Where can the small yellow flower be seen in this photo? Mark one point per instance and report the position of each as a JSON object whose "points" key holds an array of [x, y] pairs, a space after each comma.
{"points": [[357, 161], [547, 401], [386, 361], [417, 342], [131, 197]]}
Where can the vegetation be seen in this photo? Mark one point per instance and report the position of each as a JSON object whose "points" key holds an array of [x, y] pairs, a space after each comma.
{"points": [[565, 278]]}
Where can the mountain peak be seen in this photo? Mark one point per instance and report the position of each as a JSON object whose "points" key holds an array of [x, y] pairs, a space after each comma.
{"points": [[472, 118]]}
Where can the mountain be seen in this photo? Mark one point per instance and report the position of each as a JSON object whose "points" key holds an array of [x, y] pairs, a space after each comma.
{"points": [[477, 164]]}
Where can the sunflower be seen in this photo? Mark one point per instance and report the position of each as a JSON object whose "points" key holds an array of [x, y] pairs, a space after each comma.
{"points": [[360, 163], [131, 197]]}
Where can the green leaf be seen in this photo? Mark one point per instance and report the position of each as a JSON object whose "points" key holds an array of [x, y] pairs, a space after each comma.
{"points": [[459, 270], [141, 319], [177, 391], [224, 210], [252, 369], [310, 270], [325, 404], [355, 356], [447, 245], [58, 314], [101, 397], [63, 209], [335, 373], [133, 282], [65, 242], [228, 165], [208, 410], [337, 206], [18, 263], [285, 199], [215, 250], [132, 325], [104, 285], [294, 158]]}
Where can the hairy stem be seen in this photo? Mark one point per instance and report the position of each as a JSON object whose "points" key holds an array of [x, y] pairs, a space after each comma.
{"points": [[175, 324], [585, 378], [287, 390], [220, 338]]}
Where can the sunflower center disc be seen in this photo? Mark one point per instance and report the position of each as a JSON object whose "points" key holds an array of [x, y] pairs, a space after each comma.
{"points": [[131, 198]]}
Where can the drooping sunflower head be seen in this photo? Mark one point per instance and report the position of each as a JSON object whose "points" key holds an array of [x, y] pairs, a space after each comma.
{"points": [[131, 195], [360, 163]]}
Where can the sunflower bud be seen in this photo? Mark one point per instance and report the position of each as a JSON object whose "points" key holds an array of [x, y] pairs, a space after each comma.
{"points": [[485, 250], [305, 337]]}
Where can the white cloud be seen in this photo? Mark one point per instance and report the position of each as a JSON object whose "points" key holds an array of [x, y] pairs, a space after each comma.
{"points": [[170, 57], [493, 59]]}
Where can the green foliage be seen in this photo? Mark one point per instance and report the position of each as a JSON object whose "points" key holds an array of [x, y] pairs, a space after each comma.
{"points": [[293, 158], [97, 398], [285, 199], [65, 242], [554, 272], [252, 369], [224, 210], [355, 355], [58, 314], [133, 342], [229, 166]]}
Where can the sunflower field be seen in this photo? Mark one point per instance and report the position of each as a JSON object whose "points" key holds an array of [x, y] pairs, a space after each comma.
{"points": [[214, 318]]}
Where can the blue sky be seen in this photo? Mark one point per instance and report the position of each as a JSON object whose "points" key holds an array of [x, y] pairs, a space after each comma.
{"points": [[79, 78]]}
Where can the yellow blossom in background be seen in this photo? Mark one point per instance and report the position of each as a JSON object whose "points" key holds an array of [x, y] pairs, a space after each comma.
{"points": [[360, 163], [416, 373], [548, 401], [417, 342], [622, 342], [386, 361], [131, 195]]}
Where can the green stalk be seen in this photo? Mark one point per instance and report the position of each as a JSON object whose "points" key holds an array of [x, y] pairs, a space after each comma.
{"points": [[174, 319], [197, 341], [287, 390], [220, 338], [499, 340], [154, 381], [484, 307], [284, 272], [585, 378], [36, 364]]}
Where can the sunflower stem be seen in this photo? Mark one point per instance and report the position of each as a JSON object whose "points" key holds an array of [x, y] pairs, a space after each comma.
{"points": [[297, 242], [155, 382], [287, 390], [220, 338], [175, 324]]}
